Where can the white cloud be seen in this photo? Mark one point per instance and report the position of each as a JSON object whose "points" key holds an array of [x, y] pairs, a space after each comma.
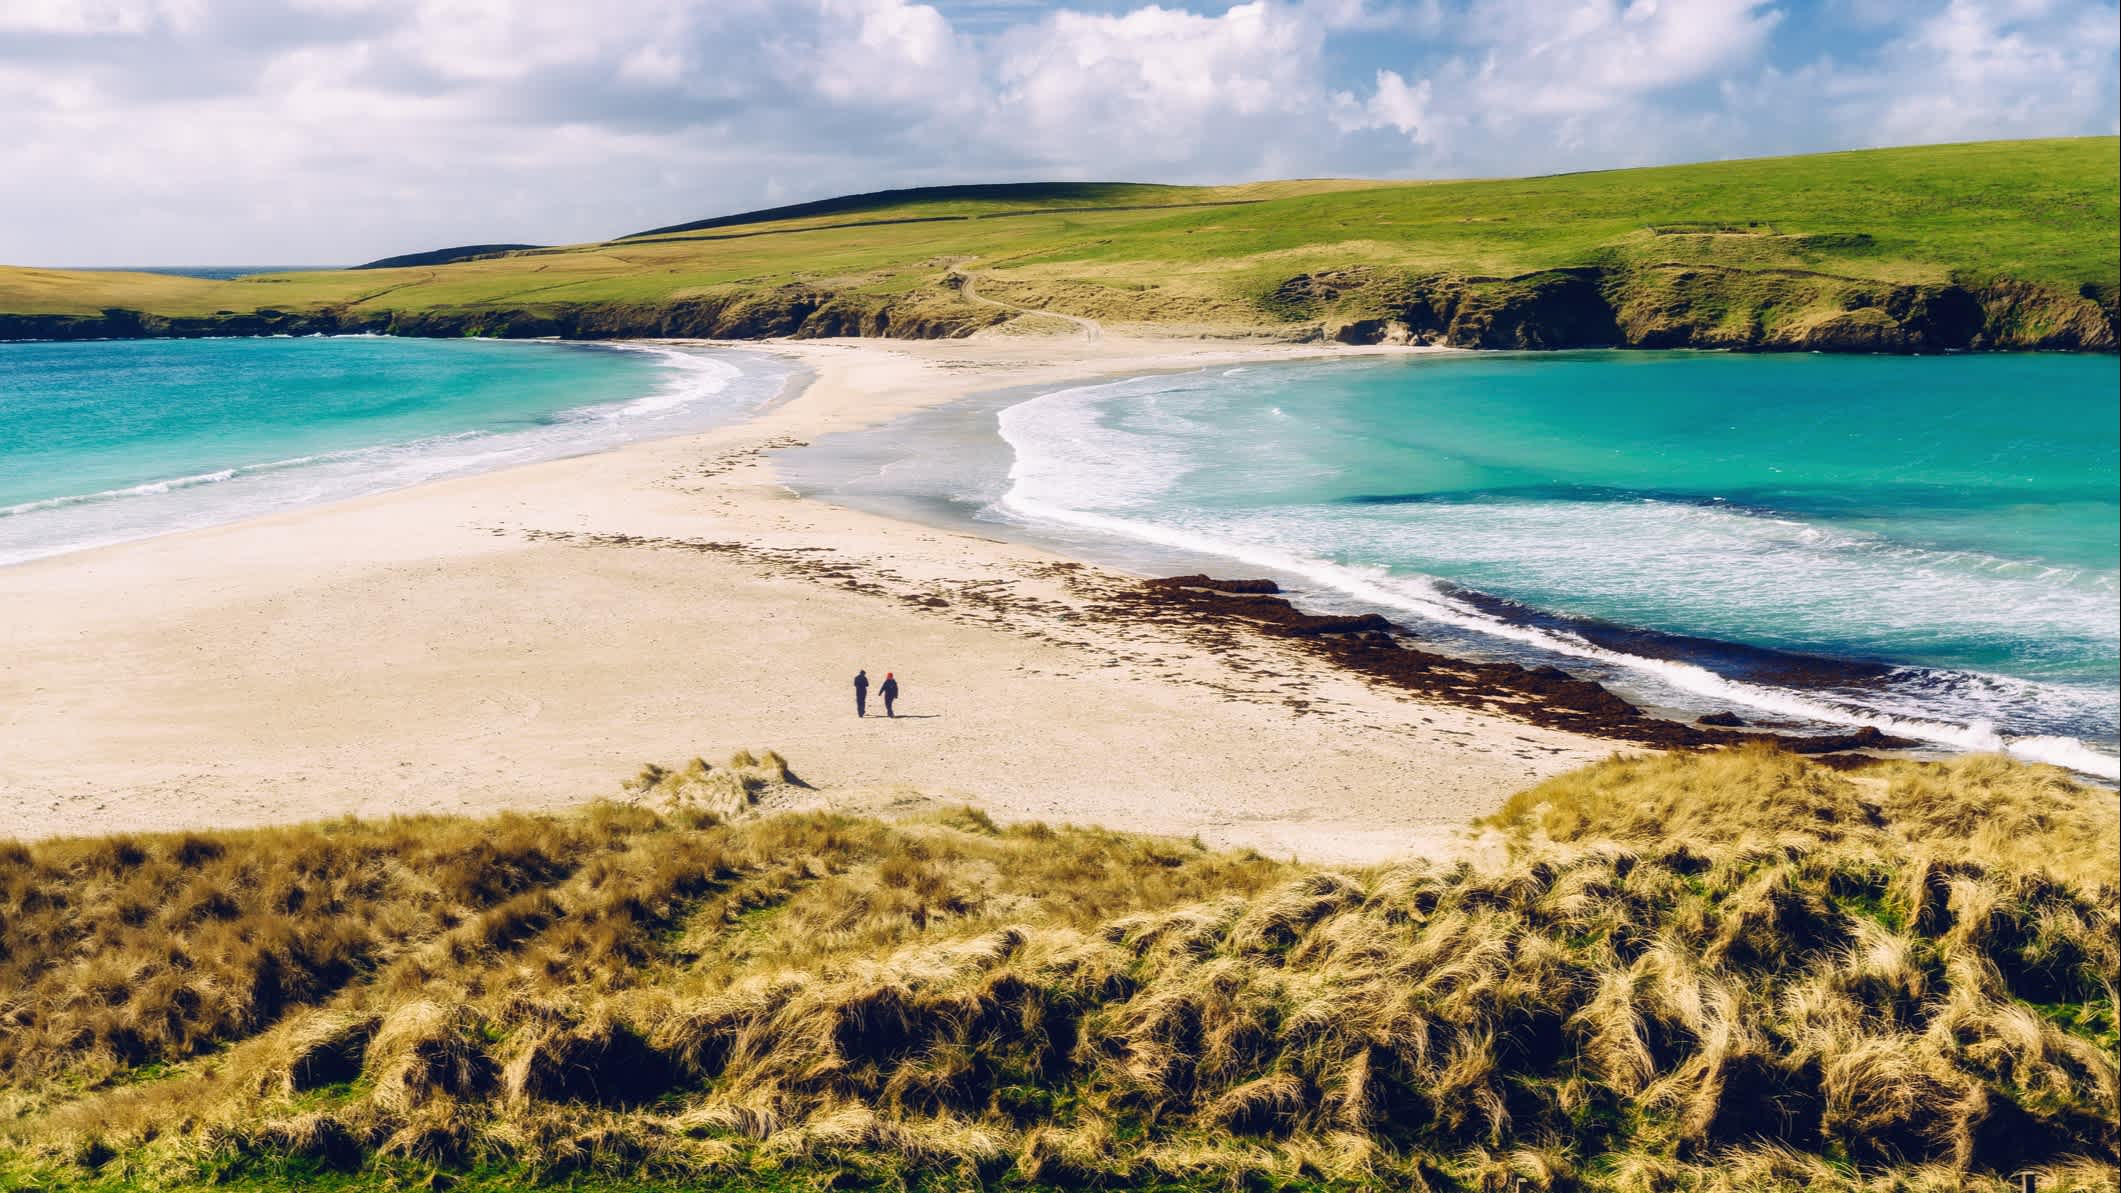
{"points": [[1977, 70], [84, 17], [318, 130], [1579, 77], [1158, 84], [1395, 104], [871, 51]]}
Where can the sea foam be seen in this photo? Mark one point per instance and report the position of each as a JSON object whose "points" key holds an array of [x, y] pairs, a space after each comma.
{"points": [[693, 390], [1131, 459]]}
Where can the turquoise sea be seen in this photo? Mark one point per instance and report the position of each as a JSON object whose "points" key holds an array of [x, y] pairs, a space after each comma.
{"points": [[107, 441], [1928, 545]]}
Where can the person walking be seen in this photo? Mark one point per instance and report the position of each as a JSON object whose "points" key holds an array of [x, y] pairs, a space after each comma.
{"points": [[889, 692], [861, 693]]}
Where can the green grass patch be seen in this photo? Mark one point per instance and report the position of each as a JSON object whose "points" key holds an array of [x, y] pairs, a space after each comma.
{"points": [[1771, 247]]}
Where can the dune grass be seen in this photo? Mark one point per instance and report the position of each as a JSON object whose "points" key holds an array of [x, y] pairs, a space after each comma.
{"points": [[1724, 971], [1741, 251]]}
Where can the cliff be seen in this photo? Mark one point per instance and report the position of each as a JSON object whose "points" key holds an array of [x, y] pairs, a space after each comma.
{"points": [[1704, 307], [1588, 307], [798, 311]]}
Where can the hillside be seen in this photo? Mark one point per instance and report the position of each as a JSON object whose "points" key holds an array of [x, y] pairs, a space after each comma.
{"points": [[1735, 970], [1990, 245]]}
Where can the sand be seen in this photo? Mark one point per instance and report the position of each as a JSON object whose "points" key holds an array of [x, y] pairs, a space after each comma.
{"points": [[526, 639]]}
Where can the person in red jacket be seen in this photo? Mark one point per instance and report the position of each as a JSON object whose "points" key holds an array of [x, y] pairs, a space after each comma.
{"points": [[889, 692]]}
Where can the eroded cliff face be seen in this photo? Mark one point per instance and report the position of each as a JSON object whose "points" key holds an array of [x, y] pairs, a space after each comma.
{"points": [[1659, 306], [1698, 307], [797, 311]]}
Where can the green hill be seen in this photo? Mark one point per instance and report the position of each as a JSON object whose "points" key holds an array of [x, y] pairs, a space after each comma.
{"points": [[451, 256], [942, 202], [1990, 245], [1727, 971]]}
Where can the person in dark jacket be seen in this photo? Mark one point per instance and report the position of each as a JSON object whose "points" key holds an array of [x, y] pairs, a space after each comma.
{"points": [[889, 692], [861, 693]]}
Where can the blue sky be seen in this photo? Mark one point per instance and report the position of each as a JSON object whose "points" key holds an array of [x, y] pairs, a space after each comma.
{"points": [[321, 131]]}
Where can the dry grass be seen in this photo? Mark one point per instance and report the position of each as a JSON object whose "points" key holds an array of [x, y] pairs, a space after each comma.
{"points": [[1984, 808], [1723, 971]]}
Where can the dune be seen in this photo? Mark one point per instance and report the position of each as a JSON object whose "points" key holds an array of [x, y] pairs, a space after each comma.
{"points": [[1732, 970]]}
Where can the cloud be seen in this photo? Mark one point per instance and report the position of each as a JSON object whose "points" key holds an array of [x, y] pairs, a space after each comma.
{"points": [[317, 130], [1160, 86], [891, 52], [1976, 70], [1582, 78], [1395, 104], [84, 17]]}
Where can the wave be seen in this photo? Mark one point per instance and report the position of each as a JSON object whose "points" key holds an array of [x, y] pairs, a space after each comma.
{"points": [[1778, 513], [1423, 598], [1072, 470], [697, 377], [700, 377], [698, 391], [157, 487]]}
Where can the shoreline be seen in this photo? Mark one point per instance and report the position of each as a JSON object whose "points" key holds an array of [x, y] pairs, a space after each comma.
{"points": [[1640, 685], [674, 393], [551, 627], [635, 526]]}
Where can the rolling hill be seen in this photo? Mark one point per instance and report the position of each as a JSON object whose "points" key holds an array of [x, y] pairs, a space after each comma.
{"points": [[1992, 245]]}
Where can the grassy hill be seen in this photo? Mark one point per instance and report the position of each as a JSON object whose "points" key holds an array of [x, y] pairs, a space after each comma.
{"points": [[1990, 245], [1737, 970]]}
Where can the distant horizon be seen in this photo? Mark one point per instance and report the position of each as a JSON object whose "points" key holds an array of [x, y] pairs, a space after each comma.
{"points": [[185, 270]]}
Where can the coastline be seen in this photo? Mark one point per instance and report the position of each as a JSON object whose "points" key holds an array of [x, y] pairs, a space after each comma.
{"points": [[987, 465], [551, 627], [529, 401]]}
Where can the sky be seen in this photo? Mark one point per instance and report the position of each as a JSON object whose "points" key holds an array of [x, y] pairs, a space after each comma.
{"points": [[313, 132]]}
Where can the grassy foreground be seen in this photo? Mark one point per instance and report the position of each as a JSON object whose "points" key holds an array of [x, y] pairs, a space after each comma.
{"points": [[1990, 245], [1736, 970]]}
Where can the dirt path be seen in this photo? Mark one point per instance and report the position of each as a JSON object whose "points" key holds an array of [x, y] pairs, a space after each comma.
{"points": [[968, 286]]}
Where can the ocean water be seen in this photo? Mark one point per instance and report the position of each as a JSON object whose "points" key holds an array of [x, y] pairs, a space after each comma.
{"points": [[109, 441], [216, 273], [1927, 545]]}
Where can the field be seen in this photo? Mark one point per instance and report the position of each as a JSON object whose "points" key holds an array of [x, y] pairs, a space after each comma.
{"points": [[2000, 244], [1719, 971]]}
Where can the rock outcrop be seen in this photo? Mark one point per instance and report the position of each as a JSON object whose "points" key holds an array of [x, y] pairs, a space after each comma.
{"points": [[1631, 306], [797, 311], [1672, 306]]}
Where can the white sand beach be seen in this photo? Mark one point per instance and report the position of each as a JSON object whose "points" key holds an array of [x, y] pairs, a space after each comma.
{"points": [[526, 639]]}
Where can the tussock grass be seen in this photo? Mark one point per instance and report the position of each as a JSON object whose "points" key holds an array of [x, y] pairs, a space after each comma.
{"points": [[1736, 970]]}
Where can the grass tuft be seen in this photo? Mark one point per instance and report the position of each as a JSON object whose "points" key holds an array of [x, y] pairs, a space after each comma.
{"points": [[1736, 970]]}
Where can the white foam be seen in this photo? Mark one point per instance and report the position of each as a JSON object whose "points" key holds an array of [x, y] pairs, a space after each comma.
{"points": [[1072, 469], [1423, 599], [2066, 752], [695, 379], [1064, 424], [699, 391]]}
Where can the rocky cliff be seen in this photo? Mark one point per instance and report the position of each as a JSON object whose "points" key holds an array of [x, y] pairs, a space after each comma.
{"points": [[1654, 306], [798, 311], [1674, 306]]}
